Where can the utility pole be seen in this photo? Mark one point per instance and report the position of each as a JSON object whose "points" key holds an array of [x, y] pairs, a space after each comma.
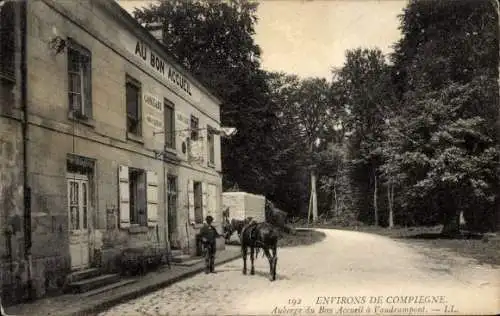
{"points": [[496, 4], [313, 200]]}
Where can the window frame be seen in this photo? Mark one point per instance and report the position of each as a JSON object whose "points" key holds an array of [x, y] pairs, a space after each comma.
{"points": [[84, 73], [8, 41], [169, 134], [198, 216], [211, 145], [134, 198], [194, 126], [129, 80]]}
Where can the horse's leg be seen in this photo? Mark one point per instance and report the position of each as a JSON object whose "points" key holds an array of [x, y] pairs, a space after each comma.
{"points": [[252, 252], [244, 255], [275, 261], [270, 259]]}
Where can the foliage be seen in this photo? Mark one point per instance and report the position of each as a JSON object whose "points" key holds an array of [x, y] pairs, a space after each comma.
{"points": [[441, 146], [419, 126], [214, 40]]}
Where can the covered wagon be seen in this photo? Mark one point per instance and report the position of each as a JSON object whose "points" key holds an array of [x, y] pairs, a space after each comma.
{"points": [[243, 205]]}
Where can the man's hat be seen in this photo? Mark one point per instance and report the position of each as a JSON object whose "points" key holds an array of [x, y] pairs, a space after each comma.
{"points": [[209, 218]]}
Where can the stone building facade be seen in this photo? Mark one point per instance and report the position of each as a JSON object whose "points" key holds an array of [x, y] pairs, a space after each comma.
{"points": [[122, 143]]}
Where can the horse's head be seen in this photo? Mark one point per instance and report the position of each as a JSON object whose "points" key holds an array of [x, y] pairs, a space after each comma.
{"points": [[227, 229]]}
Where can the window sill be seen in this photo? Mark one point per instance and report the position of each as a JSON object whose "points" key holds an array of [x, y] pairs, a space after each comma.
{"points": [[85, 121], [136, 229], [197, 225], [135, 138], [171, 151]]}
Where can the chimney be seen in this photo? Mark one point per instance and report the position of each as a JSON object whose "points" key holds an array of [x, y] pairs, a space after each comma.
{"points": [[156, 29]]}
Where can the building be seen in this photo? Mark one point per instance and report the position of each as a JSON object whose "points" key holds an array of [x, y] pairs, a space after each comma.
{"points": [[120, 146]]}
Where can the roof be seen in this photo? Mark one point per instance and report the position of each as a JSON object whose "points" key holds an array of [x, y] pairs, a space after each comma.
{"points": [[118, 12]]}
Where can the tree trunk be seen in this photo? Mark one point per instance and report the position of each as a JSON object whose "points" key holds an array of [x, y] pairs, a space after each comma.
{"points": [[451, 225], [375, 194], [336, 200], [390, 200], [497, 5], [309, 208], [314, 197]]}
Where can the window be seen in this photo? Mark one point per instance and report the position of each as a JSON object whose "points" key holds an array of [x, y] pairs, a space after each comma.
{"points": [[7, 41], [172, 206], [133, 99], [194, 128], [78, 200], [211, 145], [169, 124], [198, 206], [79, 81], [137, 189]]}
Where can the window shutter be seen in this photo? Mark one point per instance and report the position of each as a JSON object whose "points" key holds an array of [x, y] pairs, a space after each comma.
{"points": [[212, 201], [88, 87], [190, 191], [124, 196], [152, 198], [204, 199]]}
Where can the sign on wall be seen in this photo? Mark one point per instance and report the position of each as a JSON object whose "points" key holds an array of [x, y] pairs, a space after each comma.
{"points": [[182, 126], [154, 122], [153, 102], [153, 110], [161, 67]]}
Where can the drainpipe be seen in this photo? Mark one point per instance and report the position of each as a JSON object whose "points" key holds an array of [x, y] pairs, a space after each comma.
{"points": [[22, 15]]}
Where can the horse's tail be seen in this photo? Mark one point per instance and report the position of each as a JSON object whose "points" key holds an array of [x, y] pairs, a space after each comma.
{"points": [[289, 230]]}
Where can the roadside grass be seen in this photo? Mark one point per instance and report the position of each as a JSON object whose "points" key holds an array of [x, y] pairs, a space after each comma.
{"points": [[485, 248], [300, 238]]}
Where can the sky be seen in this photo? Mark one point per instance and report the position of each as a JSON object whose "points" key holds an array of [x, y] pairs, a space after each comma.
{"points": [[309, 37]]}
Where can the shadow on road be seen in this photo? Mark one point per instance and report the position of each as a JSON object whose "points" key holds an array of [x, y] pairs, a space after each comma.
{"points": [[228, 269], [429, 236]]}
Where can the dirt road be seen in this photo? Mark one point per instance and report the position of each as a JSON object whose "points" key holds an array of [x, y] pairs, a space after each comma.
{"points": [[348, 273]]}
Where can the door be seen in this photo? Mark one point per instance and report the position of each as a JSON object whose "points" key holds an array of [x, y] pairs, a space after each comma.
{"points": [[198, 200], [212, 201], [78, 208], [172, 211]]}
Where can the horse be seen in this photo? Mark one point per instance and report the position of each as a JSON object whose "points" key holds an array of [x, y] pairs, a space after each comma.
{"points": [[263, 235], [237, 225], [277, 217]]}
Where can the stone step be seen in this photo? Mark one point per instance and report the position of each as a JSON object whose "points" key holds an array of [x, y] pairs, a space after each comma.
{"points": [[83, 274], [188, 262], [176, 253], [181, 258], [109, 287], [94, 283]]}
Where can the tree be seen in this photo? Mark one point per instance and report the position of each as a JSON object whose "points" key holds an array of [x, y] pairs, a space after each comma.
{"points": [[214, 40], [365, 78], [446, 69]]}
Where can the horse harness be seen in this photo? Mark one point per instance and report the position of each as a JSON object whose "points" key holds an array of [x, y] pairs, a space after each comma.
{"points": [[253, 233]]}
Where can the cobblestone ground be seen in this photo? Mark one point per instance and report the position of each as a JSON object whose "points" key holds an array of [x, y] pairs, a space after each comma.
{"points": [[347, 273]]}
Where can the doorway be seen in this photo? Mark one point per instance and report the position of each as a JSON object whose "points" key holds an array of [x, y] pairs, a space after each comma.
{"points": [[172, 211], [198, 208], [78, 215]]}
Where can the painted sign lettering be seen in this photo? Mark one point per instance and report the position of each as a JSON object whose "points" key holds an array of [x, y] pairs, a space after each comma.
{"points": [[161, 67], [154, 122], [153, 102]]}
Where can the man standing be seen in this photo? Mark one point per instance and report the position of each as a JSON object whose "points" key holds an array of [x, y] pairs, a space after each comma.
{"points": [[208, 235]]}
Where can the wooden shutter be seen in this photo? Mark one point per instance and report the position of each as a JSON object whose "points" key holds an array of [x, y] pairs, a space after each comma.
{"points": [[212, 200], [88, 85], [190, 191], [204, 199], [124, 196], [152, 198]]}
